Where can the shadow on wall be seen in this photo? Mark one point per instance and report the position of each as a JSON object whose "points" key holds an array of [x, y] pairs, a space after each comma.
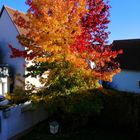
{"points": [[108, 85], [1, 56]]}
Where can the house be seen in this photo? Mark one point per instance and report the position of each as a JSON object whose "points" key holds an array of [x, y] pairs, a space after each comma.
{"points": [[129, 78], [8, 35]]}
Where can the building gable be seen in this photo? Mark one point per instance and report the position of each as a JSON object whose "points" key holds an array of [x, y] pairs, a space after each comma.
{"points": [[8, 35], [11, 13]]}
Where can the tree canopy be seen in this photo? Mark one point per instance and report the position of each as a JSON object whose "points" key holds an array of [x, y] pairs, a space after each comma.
{"points": [[62, 33]]}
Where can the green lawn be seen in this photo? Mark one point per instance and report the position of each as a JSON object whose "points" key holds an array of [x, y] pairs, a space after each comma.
{"points": [[41, 132]]}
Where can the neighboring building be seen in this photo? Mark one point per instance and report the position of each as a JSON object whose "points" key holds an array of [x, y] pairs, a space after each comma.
{"points": [[129, 78], [8, 35]]}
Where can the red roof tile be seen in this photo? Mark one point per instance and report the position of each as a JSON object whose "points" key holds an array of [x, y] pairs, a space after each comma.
{"points": [[11, 13]]}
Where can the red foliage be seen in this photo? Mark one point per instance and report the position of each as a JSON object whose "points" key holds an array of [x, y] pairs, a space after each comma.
{"points": [[94, 37], [91, 44]]}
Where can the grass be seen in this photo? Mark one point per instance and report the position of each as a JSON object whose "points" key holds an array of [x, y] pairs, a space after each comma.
{"points": [[41, 132]]}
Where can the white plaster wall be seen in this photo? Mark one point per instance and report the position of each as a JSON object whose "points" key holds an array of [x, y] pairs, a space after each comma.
{"points": [[8, 34], [3, 126], [127, 81], [20, 120], [32, 80]]}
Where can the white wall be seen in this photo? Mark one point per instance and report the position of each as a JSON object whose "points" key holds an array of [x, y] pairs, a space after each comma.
{"points": [[33, 80], [20, 118], [127, 81], [8, 34]]}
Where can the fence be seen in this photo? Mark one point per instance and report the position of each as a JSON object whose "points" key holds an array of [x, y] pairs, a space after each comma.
{"points": [[20, 118]]}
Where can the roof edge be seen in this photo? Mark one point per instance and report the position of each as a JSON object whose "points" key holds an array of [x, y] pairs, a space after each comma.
{"points": [[135, 39], [2, 10], [5, 7]]}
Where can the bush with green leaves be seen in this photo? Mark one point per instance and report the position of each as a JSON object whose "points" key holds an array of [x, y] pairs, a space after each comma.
{"points": [[74, 110], [65, 79], [18, 96], [121, 110]]}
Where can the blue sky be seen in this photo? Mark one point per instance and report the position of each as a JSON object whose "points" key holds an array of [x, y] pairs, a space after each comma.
{"points": [[125, 17]]}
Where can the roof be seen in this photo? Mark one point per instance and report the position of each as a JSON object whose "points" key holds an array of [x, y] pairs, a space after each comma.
{"points": [[11, 13], [130, 59]]}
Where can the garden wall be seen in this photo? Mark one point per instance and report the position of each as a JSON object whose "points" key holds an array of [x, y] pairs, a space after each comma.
{"points": [[20, 118]]}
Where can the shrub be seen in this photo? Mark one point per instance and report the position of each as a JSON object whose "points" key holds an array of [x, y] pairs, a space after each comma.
{"points": [[74, 110], [121, 110], [18, 96]]}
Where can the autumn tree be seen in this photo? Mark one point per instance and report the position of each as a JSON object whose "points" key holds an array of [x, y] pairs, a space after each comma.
{"points": [[68, 38]]}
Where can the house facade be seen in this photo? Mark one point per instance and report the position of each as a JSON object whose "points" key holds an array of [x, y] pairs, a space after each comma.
{"points": [[129, 78], [8, 35]]}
